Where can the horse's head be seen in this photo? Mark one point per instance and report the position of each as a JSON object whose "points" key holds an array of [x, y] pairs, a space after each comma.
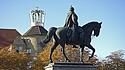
{"points": [[97, 28], [92, 26]]}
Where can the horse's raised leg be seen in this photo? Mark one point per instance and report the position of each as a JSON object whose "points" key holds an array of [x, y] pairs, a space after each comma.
{"points": [[52, 49], [63, 51], [93, 49], [81, 54]]}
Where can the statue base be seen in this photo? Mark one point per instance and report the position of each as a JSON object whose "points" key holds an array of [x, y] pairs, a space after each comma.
{"points": [[70, 66]]}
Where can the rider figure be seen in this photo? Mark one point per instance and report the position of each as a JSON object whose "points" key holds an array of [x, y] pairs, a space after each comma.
{"points": [[71, 22]]}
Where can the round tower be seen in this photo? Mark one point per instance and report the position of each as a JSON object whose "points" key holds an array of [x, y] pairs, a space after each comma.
{"points": [[37, 17]]}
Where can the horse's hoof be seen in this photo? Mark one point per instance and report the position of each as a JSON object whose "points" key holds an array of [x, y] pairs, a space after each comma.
{"points": [[51, 61], [68, 60], [81, 61]]}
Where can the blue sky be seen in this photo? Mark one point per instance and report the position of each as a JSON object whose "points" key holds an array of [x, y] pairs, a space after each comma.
{"points": [[15, 14]]}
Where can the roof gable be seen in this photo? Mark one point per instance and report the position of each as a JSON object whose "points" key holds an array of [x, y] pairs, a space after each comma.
{"points": [[36, 30], [7, 36]]}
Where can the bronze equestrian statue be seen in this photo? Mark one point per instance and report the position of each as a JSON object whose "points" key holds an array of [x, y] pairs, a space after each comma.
{"points": [[72, 34], [61, 35]]}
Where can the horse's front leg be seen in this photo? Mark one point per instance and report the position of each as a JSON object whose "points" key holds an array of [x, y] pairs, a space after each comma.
{"points": [[63, 51], [81, 54], [93, 50]]}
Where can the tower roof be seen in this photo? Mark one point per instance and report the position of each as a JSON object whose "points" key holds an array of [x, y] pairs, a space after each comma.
{"points": [[36, 30], [37, 17]]}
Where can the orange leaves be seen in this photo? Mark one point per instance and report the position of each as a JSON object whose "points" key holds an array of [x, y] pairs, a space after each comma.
{"points": [[14, 61]]}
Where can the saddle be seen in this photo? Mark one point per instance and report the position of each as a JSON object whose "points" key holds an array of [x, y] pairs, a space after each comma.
{"points": [[75, 35]]}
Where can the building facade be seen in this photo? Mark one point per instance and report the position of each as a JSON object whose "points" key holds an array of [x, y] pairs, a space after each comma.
{"points": [[37, 32]]}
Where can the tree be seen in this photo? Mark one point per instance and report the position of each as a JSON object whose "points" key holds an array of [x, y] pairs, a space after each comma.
{"points": [[11, 60], [114, 61]]}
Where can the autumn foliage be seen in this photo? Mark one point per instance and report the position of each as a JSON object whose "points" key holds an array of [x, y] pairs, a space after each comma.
{"points": [[11, 60]]}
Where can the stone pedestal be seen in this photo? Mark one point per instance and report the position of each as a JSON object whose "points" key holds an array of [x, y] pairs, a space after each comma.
{"points": [[70, 66]]}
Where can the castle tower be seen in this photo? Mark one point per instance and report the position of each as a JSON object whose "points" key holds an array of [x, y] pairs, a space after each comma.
{"points": [[37, 32], [37, 17]]}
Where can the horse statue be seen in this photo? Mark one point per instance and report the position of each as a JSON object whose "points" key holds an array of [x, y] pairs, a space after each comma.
{"points": [[61, 37]]}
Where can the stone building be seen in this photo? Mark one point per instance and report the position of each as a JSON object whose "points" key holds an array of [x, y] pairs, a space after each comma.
{"points": [[37, 32]]}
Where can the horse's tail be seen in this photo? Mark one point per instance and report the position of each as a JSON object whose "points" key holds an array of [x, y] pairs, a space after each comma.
{"points": [[49, 35]]}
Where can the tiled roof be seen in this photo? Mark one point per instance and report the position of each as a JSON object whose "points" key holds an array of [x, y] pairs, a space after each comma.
{"points": [[7, 36], [36, 30]]}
